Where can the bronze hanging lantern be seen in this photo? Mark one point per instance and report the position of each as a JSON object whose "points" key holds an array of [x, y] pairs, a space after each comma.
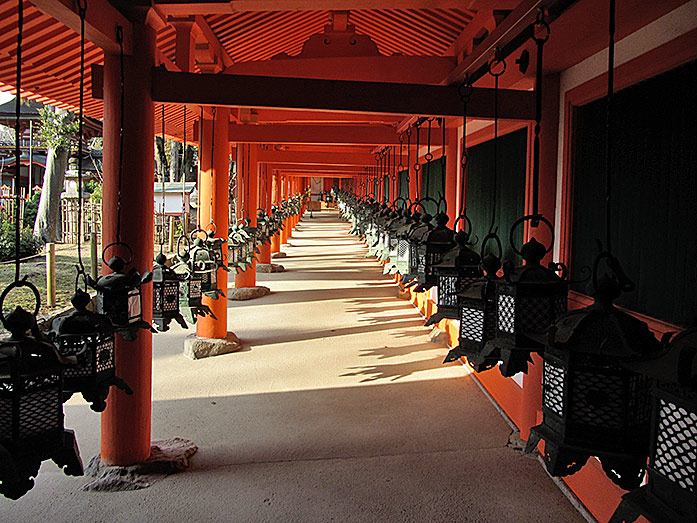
{"points": [[119, 295], [477, 312], [204, 268], [89, 338], [593, 405], [416, 239], [459, 268], [529, 299], [438, 241], [671, 492], [190, 286], [165, 295], [31, 403]]}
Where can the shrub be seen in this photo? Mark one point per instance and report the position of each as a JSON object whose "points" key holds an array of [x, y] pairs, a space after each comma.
{"points": [[29, 244], [30, 209]]}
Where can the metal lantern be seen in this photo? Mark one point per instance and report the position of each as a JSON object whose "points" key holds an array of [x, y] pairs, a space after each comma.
{"points": [[119, 296], [205, 269], [591, 404], [165, 295], [477, 313], [528, 299], [439, 241], [190, 286], [671, 492], [31, 403], [459, 267], [214, 245], [400, 257], [417, 249], [89, 337]]}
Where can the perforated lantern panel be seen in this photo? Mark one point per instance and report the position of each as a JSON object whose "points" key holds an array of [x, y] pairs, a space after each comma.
{"points": [[553, 388], [194, 289], [40, 406], [537, 313], [100, 356], [506, 313], [447, 290], [403, 250], [472, 324], [676, 445], [171, 296]]}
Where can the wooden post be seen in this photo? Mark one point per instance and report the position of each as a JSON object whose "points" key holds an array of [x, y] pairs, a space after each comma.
{"points": [[171, 234], [51, 274], [94, 267]]}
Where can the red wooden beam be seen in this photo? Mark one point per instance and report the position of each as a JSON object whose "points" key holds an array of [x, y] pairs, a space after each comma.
{"points": [[316, 158], [314, 134], [101, 20], [337, 95]]}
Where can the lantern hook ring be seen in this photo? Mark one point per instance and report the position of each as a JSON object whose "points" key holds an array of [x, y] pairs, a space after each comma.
{"points": [[116, 244], [534, 218], [625, 284], [492, 236], [215, 229], [194, 234], [15, 285], [467, 224], [179, 242]]}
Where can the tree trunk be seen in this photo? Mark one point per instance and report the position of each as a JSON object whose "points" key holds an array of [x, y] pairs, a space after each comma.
{"points": [[187, 164], [47, 224], [175, 163], [161, 157]]}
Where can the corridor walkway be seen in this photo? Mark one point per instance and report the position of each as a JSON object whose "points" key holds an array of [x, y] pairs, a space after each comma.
{"points": [[338, 409]]}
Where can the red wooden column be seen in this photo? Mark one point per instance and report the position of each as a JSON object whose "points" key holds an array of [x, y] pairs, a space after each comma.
{"points": [[275, 198], [213, 187], [532, 381], [248, 203], [452, 173], [126, 420], [284, 195], [265, 203]]}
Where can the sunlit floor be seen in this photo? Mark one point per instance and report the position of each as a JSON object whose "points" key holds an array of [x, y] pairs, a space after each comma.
{"points": [[337, 409]]}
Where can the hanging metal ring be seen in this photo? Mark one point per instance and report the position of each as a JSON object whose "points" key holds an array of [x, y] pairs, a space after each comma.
{"points": [[492, 236], [179, 242], [535, 218], [15, 285], [465, 89], [495, 62], [194, 234], [540, 26], [215, 229], [115, 244]]}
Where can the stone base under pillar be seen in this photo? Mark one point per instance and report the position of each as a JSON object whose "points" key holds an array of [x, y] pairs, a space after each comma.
{"points": [[438, 336], [279, 254], [270, 267], [166, 457], [247, 293], [196, 348]]}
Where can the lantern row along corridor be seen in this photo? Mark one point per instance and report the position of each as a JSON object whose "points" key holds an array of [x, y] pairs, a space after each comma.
{"points": [[338, 388]]}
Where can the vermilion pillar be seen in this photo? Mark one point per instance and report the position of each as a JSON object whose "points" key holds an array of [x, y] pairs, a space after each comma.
{"points": [[284, 195], [247, 203], [265, 203], [275, 185], [126, 420], [213, 201]]}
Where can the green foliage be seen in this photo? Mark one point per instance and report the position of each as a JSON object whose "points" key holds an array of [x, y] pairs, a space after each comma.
{"points": [[96, 189], [30, 208], [29, 244], [58, 128]]}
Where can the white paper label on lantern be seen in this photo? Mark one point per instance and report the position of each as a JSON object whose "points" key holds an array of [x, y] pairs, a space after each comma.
{"points": [[134, 311]]}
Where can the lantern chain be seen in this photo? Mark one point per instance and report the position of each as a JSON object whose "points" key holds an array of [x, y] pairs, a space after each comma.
{"points": [[540, 36], [428, 157], [183, 170], [465, 91], [82, 12], [407, 178], [608, 126], [212, 164], [18, 151], [162, 209], [500, 63], [417, 167], [443, 167], [122, 88]]}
